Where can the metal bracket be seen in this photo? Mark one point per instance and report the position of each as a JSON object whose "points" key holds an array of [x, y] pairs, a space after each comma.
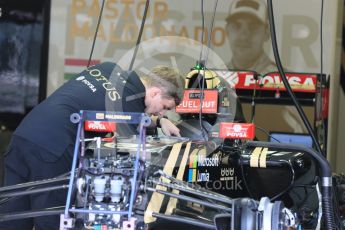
{"points": [[129, 224], [66, 223]]}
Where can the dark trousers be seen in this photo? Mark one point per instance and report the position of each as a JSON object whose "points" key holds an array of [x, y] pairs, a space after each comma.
{"points": [[24, 162]]}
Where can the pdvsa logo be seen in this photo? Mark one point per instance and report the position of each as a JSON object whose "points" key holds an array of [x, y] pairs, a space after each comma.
{"points": [[96, 125], [100, 126], [80, 78], [237, 128]]}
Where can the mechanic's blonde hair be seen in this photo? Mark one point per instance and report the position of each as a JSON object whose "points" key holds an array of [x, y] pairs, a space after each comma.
{"points": [[168, 79]]}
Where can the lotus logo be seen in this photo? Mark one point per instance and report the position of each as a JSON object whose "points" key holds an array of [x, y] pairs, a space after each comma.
{"points": [[80, 78]]}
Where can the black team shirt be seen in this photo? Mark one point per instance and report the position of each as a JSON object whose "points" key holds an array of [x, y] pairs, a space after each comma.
{"points": [[100, 87]]}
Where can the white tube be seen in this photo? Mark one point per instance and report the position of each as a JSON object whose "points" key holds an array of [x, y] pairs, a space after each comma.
{"points": [[116, 189], [99, 188]]}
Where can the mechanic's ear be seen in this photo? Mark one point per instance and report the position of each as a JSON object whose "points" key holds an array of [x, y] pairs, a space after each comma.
{"points": [[154, 91]]}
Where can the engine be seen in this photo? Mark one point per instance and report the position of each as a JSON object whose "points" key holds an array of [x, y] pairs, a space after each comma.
{"points": [[105, 184], [125, 183]]}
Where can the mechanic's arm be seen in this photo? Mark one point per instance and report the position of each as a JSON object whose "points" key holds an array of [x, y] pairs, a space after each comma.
{"points": [[168, 128]]}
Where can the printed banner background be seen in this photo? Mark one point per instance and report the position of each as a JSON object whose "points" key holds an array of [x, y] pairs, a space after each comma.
{"points": [[73, 23]]}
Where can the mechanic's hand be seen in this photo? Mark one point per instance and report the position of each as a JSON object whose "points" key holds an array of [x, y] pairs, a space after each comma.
{"points": [[168, 128]]}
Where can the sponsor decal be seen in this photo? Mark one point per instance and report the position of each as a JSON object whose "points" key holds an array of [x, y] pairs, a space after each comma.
{"points": [[272, 81], [100, 116], [195, 175], [118, 117], [208, 162], [110, 90], [191, 101], [100, 126], [87, 83], [231, 180], [227, 174], [237, 131], [230, 76], [80, 78], [200, 160], [298, 82]]}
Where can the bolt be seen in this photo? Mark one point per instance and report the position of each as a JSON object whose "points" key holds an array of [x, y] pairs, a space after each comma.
{"points": [[300, 163]]}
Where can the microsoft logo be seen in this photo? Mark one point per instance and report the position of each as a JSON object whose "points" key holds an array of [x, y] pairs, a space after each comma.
{"points": [[193, 163], [198, 164]]}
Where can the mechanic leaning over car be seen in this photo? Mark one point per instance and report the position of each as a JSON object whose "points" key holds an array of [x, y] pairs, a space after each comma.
{"points": [[42, 145]]}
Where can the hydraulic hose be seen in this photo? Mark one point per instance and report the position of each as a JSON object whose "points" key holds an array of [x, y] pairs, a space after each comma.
{"points": [[326, 180], [327, 207], [325, 175]]}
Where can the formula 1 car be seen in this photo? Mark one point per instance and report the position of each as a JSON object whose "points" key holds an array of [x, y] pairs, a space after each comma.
{"points": [[157, 182]]}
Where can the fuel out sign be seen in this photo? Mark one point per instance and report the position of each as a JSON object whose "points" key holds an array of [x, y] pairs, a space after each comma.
{"points": [[192, 99]]}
